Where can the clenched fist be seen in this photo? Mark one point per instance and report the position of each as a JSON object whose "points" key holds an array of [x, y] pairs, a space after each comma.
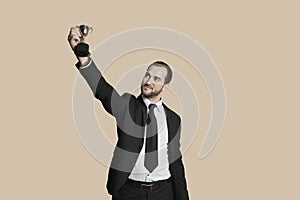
{"points": [[75, 37]]}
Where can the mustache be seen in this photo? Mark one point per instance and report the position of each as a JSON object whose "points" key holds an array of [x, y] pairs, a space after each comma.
{"points": [[148, 85]]}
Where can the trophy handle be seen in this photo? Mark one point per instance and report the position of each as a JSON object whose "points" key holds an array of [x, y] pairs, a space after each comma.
{"points": [[91, 29]]}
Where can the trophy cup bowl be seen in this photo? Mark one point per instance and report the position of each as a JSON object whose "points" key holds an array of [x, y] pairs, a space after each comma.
{"points": [[85, 30]]}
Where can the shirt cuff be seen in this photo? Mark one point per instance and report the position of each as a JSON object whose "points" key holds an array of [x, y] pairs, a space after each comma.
{"points": [[87, 64]]}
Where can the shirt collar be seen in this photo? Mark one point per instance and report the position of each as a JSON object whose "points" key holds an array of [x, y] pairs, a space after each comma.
{"points": [[148, 102]]}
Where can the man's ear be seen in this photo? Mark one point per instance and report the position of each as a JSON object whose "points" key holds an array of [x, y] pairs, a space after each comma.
{"points": [[166, 86]]}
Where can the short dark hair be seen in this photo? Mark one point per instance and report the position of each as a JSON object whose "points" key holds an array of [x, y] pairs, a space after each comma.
{"points": [[165, 65]]}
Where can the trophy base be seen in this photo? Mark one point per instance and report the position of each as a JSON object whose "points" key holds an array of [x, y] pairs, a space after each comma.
{"points": [[82, 50]]}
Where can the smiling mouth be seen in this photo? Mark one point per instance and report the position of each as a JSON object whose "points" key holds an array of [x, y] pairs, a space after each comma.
{"points": [[147, 87]]}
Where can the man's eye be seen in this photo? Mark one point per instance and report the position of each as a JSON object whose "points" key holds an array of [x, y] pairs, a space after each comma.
{"points": [[156, 79]]}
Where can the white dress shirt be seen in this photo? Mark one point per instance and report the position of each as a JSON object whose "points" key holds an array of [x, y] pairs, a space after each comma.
{"points": [[161, 172]]}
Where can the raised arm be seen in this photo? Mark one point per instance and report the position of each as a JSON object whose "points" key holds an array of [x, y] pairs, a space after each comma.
{"points": [[113, 103]]}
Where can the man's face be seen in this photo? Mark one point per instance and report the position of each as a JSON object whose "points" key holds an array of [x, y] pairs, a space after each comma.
{"points": [[153, 81]]}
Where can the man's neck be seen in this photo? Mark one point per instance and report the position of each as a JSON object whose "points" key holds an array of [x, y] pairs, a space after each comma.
{"points": [[153, 100]]}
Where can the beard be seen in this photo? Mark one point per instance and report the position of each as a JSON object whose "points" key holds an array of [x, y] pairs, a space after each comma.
{"points": [[152, 93]]}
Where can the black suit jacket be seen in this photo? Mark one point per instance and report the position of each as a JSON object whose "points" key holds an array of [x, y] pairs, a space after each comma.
{"points": [[130, 114]]}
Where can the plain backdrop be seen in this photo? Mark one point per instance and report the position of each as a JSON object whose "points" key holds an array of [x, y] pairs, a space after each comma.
{"points": [[255, 45]]}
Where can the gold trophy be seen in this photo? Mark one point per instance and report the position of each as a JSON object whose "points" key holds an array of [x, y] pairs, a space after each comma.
{"points": [[82, 49]]}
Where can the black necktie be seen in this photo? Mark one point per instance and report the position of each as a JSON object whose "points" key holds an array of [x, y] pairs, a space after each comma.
{"points": [[151, 154]]}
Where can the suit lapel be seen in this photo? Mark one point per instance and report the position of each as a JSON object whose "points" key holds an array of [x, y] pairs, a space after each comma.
{"points": [[169, 123], [144, 109]]}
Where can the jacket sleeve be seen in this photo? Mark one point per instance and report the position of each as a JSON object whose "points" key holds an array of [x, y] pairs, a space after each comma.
{"points": [[113, 103], [180, 184], [177, 167], [90, 73]]}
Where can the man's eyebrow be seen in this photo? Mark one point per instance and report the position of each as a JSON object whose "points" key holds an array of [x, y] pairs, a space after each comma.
{"points": [[155, 76]]}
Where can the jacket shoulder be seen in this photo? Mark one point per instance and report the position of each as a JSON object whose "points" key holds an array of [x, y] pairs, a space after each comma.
{"points": [[128, 96], [171, 113]]}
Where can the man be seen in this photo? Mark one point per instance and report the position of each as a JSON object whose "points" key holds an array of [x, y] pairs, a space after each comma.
{"points": [[147, 162]]}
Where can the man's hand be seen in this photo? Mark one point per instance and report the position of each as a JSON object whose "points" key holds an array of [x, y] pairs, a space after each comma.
{"points": [[74, 38]]}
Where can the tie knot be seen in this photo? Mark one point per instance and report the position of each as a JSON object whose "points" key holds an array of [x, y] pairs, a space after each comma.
{"points": [[152, 106]]}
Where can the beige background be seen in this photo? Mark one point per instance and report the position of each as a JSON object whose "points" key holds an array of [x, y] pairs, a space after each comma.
{"points": [[255, 44]]}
